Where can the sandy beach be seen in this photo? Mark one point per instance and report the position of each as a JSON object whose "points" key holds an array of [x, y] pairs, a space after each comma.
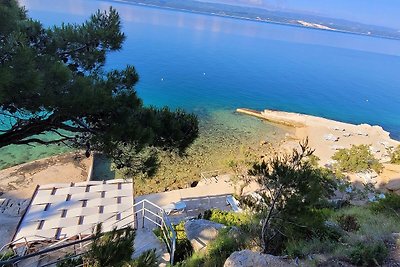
{"points": [[327, 136]]}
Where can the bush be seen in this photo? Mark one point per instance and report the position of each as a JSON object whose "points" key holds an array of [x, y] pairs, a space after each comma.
{"points": [[70, 261], [183, 248], [222, 247], [196, 260], [349, 223], [7, 255], [395, 156], [147, 259], [303, 248], [356, 159], [227, 218], [368, 254], [207, 214], [389, 204]]}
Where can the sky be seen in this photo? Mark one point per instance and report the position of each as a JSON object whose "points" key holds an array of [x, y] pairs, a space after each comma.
{"points": [[376, 12]]}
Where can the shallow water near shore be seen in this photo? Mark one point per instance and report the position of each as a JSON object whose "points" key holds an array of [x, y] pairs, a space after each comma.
{"points": [[212, 65], [225, 137]]}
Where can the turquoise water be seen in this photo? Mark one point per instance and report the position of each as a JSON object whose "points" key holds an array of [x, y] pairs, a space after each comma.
{"points": [[207, 63]]}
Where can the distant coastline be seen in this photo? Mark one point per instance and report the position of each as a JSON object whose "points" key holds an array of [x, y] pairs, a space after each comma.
{"points": [[301, 23], [327, 136]]}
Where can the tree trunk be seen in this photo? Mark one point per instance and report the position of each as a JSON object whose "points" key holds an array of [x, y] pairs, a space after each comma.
{"points": [[266, 222]]}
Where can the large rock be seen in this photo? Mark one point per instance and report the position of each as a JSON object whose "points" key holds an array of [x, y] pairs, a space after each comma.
{"points": [[201, 232], [248, 258], [393, 185]]}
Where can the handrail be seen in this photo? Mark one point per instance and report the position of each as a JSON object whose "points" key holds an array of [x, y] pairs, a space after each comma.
{"points": [[171, 240]]}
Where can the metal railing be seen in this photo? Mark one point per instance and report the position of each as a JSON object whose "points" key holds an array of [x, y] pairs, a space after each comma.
{"points": [[146, 210]]}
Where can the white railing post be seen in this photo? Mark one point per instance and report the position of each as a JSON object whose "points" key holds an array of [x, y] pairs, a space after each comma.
{"points": [[143, 214]]}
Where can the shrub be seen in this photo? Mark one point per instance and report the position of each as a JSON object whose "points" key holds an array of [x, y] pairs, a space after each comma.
{"points": [[391, 204], [183, 247], [111, 248], [368, 254], [349, 223], [222, 247], [303, 248], [70, 261], [374, 226], [196, 260], [356, 159], [7, 255], [207, 214], [314, 160], [227, 218], [147, 259], [395, 156]]}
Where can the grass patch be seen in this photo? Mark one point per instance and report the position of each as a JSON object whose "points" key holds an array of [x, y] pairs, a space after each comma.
{"points": [[371, 254], [303, 248], [389, 205], [372, 225], [363, 243], [227, 242], [227, 218]]}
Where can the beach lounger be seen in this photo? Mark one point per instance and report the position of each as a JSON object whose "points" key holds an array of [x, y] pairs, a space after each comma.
{"points": [[331, 137], [338, 128], [174, 207], [362, 133], [231, 200]]}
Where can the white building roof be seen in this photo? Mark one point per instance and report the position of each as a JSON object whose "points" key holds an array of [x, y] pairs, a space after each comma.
{"points": [[63, 211]]}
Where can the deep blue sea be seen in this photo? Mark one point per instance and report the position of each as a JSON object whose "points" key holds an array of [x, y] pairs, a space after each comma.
{"points": [[208, 63]]}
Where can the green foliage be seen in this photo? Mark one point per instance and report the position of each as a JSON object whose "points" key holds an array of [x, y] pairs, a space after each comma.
{"points": [[356, 159], [303, 248], [183, 248], [196, 260], [52, 81], [147, 259], [227, 218], [363, 245], [314, 160], [349, 223], [70, 261], [294, 191], [228, 241], [7, 255], [373, 225], [368, 254], [390, 204], [222, 247], [395, 156], [111, 249]]}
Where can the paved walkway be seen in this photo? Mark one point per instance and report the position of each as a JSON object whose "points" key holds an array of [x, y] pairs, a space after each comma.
{"points": [[197, 199]]}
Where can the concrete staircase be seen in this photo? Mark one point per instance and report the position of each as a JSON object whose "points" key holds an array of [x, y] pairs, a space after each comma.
{"points": [[146, 240]]}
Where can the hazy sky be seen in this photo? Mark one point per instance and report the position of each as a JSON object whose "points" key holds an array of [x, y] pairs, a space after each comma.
{"points": [[377, 12]]}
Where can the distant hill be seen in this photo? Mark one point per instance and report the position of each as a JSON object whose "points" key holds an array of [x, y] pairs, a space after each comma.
{"points": [[271, 16]]}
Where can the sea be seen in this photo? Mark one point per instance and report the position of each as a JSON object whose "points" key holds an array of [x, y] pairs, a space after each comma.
{"points": [[211, 65]]}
